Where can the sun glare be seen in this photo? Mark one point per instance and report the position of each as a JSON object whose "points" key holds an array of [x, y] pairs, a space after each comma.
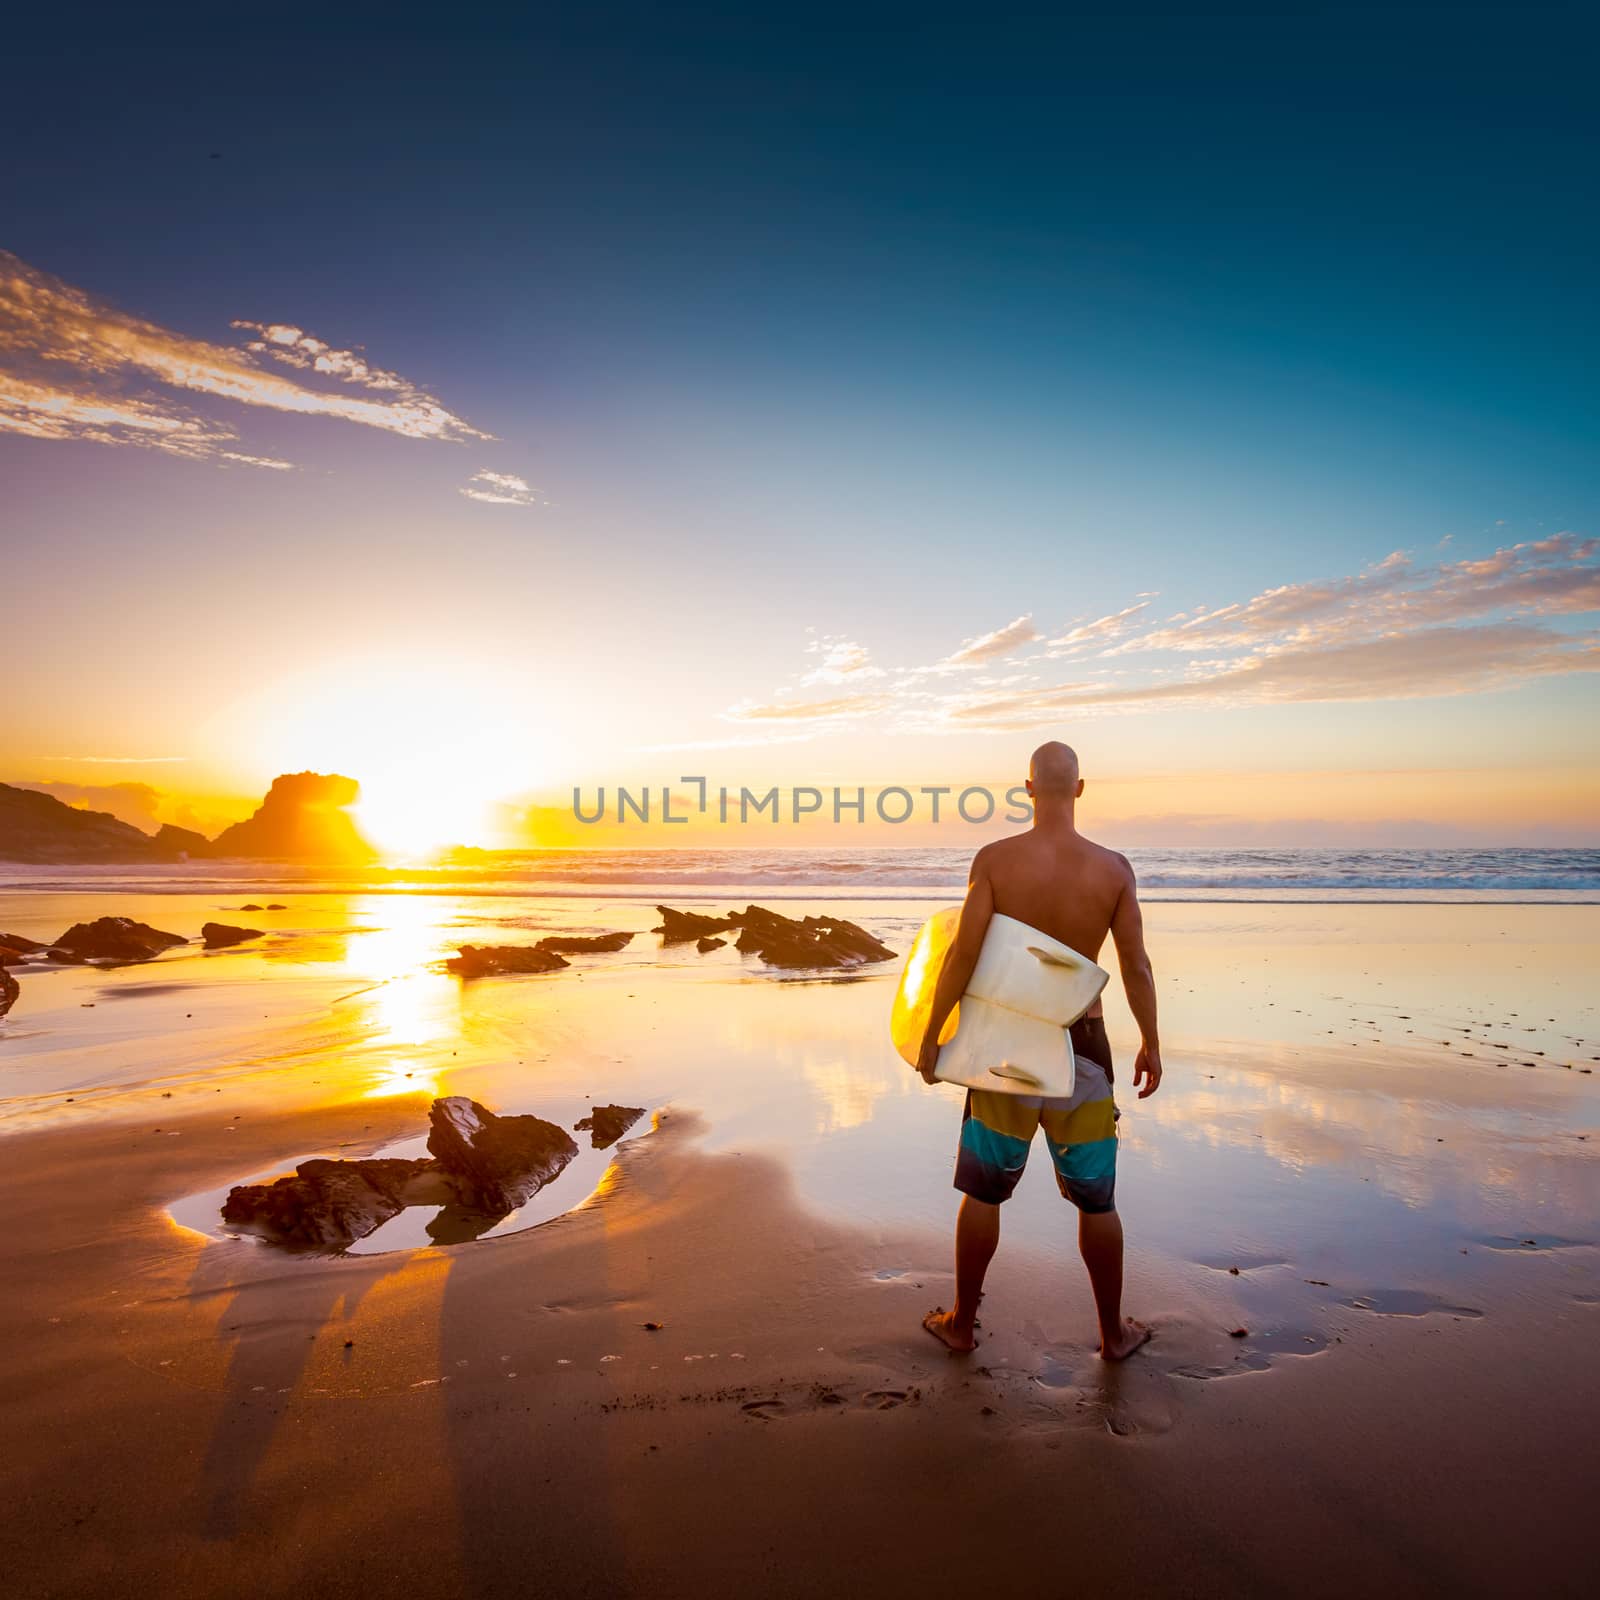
{"points": [[437, 751]]}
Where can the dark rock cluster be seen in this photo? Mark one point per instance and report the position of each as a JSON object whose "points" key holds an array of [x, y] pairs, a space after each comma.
{"points": [[480, 1167], [114, 939], [487, 960], [15, 949], [779, 941], [585, 944], [606, 1124]]}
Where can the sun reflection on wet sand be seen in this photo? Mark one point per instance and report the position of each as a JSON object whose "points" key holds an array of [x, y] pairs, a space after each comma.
{"points": [[1265, 1115]]}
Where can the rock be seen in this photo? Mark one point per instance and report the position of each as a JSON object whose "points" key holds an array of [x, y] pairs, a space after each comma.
{"points": [[21, 944], [807, 942], [180, 844], [606, 1124], [708, 944], [65, 957], [218, 935], [497, 1162], [304, 817], [326, 1204], [13, 956], [10, 990], [250, 905], [780, 941], [572, 945], [37, 827], [276, 905], [115, 939], [485, 961], [678, 927]]}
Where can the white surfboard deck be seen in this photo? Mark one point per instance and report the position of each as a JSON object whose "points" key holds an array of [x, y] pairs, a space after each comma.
{"points": [[1008, 1034]]}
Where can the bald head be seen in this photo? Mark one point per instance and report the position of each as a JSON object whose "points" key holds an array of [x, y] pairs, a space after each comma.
{"points": [[1053, 770]]}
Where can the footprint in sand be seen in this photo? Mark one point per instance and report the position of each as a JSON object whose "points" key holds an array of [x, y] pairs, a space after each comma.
{"points": [[1072, 1386], [887, 1399], [819, 1398]]}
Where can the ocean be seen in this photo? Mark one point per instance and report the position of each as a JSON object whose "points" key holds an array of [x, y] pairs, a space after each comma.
{"points": [[1528, 875]]}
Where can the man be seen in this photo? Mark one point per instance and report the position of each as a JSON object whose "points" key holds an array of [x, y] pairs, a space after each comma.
{"points": [[1055, 880]]}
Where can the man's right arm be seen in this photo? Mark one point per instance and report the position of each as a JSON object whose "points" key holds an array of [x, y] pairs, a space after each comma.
{"points": [[1138, 982]]}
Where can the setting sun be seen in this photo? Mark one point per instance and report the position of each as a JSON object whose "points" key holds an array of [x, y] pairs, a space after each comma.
{"points": [[437, 751]]}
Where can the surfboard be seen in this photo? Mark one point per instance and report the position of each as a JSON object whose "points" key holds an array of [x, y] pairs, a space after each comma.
{"points": [[1008, 1033]]}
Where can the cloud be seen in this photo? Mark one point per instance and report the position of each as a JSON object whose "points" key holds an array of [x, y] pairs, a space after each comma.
{"points": [[842, 660], [68, 362], [1096, 632], [1395, 630], [1547, 576], [117, 761], [134, 803], [500, 489], [991, 646], [745, 742], [839, 708], [1432, 662], [295, 348], [45, 411]]}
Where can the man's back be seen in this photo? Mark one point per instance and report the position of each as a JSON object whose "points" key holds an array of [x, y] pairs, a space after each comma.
{"points": [[1057, 881]]}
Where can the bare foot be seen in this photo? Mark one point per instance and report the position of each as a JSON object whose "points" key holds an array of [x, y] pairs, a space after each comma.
{"points": [[1131, 1335], [942, 1325]]}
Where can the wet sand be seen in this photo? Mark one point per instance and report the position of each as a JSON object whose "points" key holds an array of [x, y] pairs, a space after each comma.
{"points": [[1410, 1411]]}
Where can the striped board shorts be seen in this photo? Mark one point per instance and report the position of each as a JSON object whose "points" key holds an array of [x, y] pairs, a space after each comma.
{"points": [[1080, 1131]]}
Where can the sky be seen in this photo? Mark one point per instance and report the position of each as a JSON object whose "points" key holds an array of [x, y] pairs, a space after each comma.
{"points": [[490, 406]]}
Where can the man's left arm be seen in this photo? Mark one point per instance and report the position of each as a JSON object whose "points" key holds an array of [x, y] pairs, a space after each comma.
{"points": [[959, 961]]}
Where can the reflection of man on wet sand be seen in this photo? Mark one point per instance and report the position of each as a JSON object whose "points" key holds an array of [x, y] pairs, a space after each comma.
{"points": [[1065, 885]]}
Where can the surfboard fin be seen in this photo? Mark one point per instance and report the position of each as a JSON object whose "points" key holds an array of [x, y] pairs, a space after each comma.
{"points": [[1015, 1074], [1050, 958]]}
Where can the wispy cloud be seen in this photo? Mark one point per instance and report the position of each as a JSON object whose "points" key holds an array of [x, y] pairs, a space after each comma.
{"points": [[1098, 632], [839, 708], [294, 347], [1548, 576], [1395, 630], [843, 661], [501, 489], [47, 411], [75, 367], [117, 761], [1432, 662], [992, 646]]}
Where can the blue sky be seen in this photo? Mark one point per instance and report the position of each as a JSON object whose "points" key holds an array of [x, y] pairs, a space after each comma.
{"points": [[808, 326]]}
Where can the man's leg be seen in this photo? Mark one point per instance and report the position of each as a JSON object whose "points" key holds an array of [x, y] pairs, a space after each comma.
{"points": [[1082, 1134], [996, 1130], [1100, 1244], [977, 1237]]}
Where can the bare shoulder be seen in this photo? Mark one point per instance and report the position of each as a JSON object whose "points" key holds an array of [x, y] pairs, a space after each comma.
{"points": [[989, 857], [1116, 866]]}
